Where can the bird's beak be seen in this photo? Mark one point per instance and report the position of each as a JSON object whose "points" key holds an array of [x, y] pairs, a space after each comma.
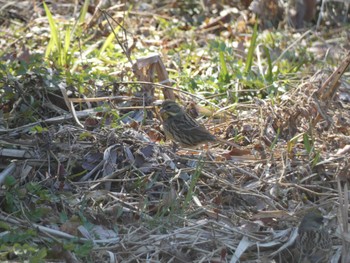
{"points": [[163, 114]]}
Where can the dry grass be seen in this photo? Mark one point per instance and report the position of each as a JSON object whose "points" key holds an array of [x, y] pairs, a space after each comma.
{"points": [[136, 199]]}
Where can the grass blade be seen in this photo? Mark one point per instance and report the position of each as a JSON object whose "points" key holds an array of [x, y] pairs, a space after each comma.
{"points": [[54, 32], [252, 47]]}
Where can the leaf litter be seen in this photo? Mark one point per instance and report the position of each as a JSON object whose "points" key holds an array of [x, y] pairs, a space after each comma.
{"points": [[102, 175]]}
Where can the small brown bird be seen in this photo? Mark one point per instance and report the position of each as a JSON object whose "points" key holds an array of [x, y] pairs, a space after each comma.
{"points": [[181, 127], [313, 242]]}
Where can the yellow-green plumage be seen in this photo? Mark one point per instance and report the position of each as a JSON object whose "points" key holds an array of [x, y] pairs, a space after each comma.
{"points": [[181, 127]]}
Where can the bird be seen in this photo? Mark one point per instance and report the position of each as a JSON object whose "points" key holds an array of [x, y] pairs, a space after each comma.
{"points": [[180, 127], [314, 244]]}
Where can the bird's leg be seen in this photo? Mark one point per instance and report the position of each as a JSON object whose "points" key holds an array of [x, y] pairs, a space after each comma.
{"points": [[204, 148], [208, 153]]}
